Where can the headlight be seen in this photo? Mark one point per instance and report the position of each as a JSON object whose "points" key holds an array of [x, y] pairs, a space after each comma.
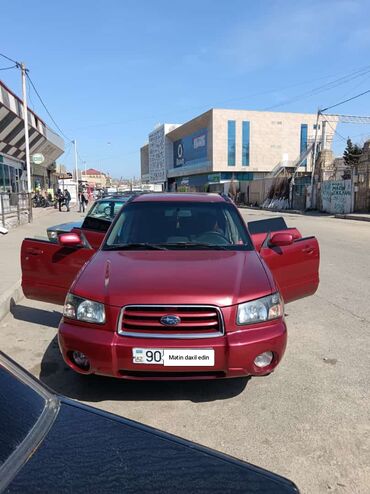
{"points": [[52, 234], [83, 309], [262, 309]]}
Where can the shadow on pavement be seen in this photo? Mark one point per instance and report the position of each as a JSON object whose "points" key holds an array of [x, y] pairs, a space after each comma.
{"points": [[60, 378], [36, 316]]}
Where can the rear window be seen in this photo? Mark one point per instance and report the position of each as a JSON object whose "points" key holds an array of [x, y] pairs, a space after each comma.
{"points": [[179, 224], [106, 210], [101, 215]]}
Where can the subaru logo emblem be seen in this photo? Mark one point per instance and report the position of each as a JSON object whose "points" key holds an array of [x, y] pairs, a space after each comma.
{"points": [[170, 320]]}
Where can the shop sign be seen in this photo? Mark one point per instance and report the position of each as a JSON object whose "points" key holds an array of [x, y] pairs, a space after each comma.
{"points": [[215, 177], [191, 149], [38, 158]]}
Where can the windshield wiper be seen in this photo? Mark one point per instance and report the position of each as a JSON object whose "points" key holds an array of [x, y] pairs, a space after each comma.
{"points": [[134, 246], [201, 245]]}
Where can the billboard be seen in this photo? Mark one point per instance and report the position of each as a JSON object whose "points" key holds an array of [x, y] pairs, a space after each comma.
{"points": [[191, 149]]}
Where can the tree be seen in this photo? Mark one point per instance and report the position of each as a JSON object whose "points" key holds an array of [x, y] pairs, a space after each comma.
{"points": [[351, 156]]}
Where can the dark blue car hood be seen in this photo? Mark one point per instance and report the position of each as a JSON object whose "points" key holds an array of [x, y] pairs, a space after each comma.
{"points": [[66, 227], [87, 450]]}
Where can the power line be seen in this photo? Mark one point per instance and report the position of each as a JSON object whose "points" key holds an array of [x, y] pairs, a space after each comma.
{"points": [[8, 68], [335, 131], [10, 59], [345, 101], [47, 111], [325, 87]]}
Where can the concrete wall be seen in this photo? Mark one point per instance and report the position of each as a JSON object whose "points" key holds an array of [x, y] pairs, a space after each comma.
{"points": [[258, 191], [274, 137], [362, 181], [144, 160], [336, 196]]}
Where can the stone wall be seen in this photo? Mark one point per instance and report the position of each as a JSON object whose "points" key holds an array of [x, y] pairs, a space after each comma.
{"points": [[362, 181]]}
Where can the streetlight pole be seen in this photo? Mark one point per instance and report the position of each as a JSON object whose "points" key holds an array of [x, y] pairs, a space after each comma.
{"points": [[26, 135], [76, 169]]}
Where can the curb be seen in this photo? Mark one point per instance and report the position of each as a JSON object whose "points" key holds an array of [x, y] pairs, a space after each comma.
{"points": [[9, 297], [288, 211], [352, 217]]}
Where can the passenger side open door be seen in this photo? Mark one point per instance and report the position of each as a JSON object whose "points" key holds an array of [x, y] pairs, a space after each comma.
{"points": [[49, 269], [295, 265]]}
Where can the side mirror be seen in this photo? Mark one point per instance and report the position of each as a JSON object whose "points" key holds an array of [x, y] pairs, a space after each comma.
{"points": [[281, 239], [70, 240]]}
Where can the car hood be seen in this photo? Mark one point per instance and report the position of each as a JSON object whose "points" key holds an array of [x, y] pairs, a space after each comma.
{"points": [[221, 278], [66, 227], [87, 450]]}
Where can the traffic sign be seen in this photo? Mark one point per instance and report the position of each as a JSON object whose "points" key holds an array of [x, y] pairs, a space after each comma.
{"points": [[65, 176]]}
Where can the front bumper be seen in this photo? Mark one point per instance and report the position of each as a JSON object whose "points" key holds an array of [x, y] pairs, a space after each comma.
{"points": [[111, 354]]}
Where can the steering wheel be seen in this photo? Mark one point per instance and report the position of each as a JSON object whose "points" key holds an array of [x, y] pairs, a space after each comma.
{"points": [[213, 237]]}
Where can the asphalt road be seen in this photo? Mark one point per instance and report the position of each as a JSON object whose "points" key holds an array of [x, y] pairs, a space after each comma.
{"points": [[309, 421]]}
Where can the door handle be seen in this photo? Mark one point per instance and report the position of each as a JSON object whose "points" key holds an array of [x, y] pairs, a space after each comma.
{"points": [[308, 250], [34, 252]]}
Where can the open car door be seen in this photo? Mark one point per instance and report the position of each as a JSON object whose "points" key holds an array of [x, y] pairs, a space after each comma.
{"points": [[261, 228], [295, 266], [48, 269]]}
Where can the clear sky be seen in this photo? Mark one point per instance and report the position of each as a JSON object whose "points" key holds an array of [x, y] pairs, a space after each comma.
{"points": [[110, 70]]}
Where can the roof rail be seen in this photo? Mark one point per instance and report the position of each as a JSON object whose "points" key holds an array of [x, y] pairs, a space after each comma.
{"points": [[133, 196], [225, 196]]}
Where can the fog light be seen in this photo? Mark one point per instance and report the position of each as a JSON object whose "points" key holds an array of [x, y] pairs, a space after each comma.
{"points": [[264, 359], [81, 360]]}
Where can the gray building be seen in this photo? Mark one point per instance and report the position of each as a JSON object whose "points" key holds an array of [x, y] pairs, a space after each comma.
{"points": [[223, 145]]}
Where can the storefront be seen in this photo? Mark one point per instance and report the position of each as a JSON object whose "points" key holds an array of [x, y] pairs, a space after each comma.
{"points": [[208, 182], [12, 175]]}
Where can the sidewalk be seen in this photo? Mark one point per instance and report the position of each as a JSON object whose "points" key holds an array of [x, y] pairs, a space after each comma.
{"points": [[10, 248], [312, 212], [354, 216]]}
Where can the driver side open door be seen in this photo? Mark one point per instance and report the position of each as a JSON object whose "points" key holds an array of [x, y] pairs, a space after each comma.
{"points": [[49, 269]]}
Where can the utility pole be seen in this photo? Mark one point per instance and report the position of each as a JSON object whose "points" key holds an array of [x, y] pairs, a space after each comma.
{"points": [[314, 157], [26, 135], [76, 170]]}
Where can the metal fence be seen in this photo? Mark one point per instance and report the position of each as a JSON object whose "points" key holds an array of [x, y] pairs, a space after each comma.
{"points": [[15, 208]]}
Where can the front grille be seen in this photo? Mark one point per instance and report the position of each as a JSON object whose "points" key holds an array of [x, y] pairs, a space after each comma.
{"points": [[196, 321]]}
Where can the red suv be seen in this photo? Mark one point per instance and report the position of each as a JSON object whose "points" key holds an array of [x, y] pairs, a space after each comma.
{"points": [[179, 289]]}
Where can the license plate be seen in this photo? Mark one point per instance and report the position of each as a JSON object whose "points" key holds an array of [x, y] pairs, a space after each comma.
{"points": [[180, 357]]}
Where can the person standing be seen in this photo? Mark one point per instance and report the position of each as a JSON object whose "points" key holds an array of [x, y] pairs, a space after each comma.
{"points": [[67, 198], [60, 199], [82, 202]]}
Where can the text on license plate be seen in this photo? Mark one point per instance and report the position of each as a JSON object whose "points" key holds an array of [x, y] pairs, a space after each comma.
{"points": [[174, 357]]}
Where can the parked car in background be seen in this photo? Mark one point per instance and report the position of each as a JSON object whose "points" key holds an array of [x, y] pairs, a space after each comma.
{"points": [[49, 443], [179, 289], [95, 224]]}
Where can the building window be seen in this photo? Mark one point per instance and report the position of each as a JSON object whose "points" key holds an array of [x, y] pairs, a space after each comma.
{"points": [[231, 142], [245, 143], [303, 146]]}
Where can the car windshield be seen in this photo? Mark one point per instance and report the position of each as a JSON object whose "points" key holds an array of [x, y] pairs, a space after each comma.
{"points": [[179, 225]]}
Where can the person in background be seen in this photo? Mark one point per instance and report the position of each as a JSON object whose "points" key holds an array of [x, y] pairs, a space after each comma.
{"points": [[60, 199], [82, 201], [67, 198]]}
